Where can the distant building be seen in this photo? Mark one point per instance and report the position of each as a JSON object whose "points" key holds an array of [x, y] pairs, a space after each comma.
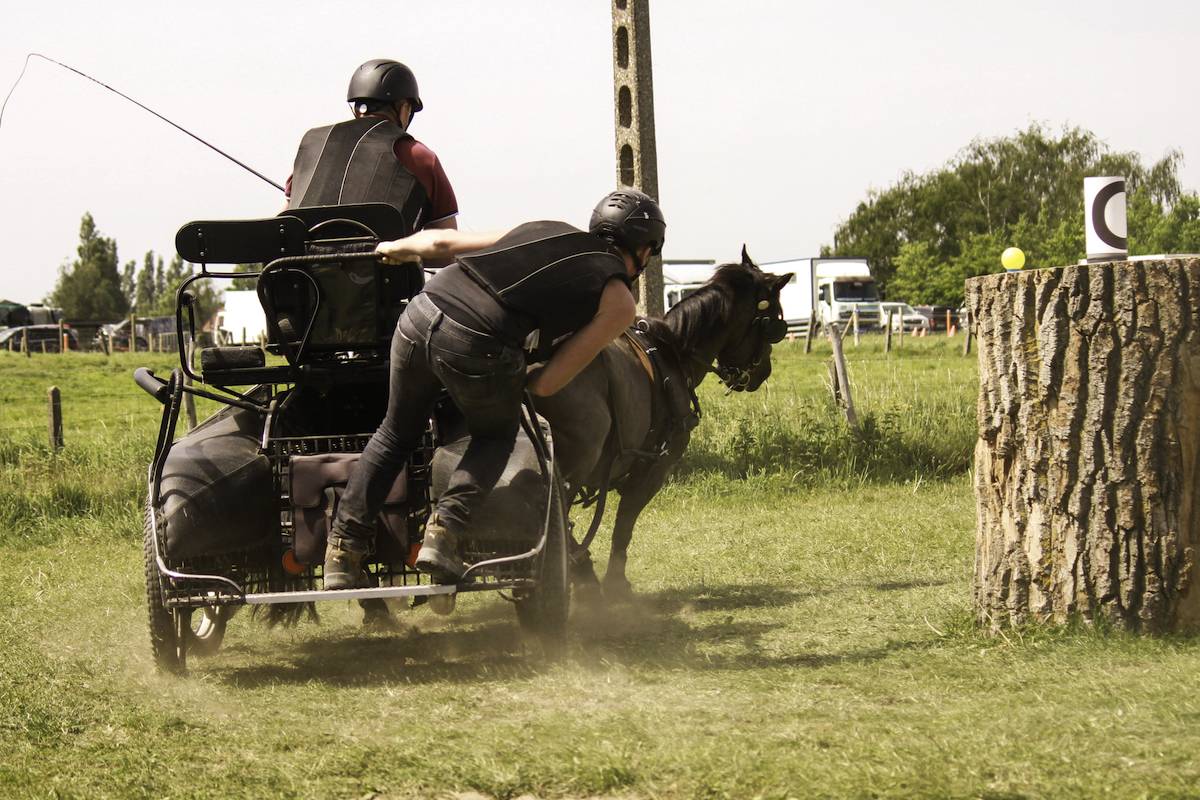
{"points": [[242, 317]]}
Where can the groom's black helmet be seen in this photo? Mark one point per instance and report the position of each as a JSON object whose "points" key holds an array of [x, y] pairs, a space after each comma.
{"points": [[631, 220], [386, 82]]}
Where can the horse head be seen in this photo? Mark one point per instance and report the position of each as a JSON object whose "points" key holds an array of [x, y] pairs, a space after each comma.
{"points": [[732, 320], [754, 323]]}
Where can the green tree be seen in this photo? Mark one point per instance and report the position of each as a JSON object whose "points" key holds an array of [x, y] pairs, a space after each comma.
{"points": [[917, 269], [129, 282], [1026, 190], [245, 283], [147, 285], [208, 296], [89, 288]]}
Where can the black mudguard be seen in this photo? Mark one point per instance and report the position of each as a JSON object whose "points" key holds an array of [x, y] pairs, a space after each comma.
{"points": [[217, 493], [515, 510]]}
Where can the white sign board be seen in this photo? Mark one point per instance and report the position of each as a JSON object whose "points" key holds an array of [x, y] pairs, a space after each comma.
{"points": [[1104, 219]]}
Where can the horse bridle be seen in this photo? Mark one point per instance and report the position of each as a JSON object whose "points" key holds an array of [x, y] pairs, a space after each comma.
{"points": [[771, 328]]}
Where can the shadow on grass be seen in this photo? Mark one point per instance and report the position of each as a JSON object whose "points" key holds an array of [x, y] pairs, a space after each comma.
{"points": [[662, 630], [671, 629], [903, 586]]}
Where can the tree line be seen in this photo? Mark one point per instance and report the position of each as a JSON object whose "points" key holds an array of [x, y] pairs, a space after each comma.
{"points": [[94, 286], [928, 233]]}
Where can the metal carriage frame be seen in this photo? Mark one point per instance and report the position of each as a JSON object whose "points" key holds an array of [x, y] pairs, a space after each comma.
{"points": [[532, 570]]}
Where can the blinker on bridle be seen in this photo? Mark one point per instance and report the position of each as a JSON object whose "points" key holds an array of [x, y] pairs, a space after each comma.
{"points": [[773, 330]]}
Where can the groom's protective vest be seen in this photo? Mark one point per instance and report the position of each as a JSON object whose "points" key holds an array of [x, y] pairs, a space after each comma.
{"points": [[355, 162], [549, 273]]}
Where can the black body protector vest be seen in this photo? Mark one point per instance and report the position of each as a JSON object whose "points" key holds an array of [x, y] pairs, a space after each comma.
{"points": [[550, 274], [355, 162]]}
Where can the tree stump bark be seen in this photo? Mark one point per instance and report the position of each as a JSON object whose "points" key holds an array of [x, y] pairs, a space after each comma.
{"points": [[1087, 467]]}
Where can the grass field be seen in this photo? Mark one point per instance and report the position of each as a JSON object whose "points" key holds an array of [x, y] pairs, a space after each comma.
{"points": [[802, 627]]}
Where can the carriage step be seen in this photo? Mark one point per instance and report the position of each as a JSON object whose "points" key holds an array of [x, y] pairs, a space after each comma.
{"points": [[422, 590]]}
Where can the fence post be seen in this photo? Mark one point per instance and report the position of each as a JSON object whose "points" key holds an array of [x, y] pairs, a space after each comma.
{"points": [[62, 338], [854, 321], [887, 334], [808, 335], [133, 333], [843, 376], [25, 348], [56, 427], [948, 322]]}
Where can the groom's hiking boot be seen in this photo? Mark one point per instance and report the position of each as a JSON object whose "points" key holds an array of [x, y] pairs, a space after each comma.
{"points": [[343, 566], [439, 555]]}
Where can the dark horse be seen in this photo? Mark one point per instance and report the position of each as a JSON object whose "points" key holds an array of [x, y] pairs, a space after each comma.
{"points": [[616, 426]]}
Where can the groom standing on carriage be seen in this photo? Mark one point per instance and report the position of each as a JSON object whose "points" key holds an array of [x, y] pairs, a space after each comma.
{"points": [[546, 286], [373, 158]]}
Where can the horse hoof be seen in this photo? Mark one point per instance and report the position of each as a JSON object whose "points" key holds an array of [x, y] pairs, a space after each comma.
{"points": [[442, 604], [377, 616], [584, 575], [589, 593], [617, 589]]}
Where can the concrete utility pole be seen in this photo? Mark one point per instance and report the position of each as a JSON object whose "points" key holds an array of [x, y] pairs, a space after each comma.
{"points": [[633, 95]]}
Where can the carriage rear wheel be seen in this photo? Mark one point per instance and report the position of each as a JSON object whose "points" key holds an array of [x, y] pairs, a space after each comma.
{"points": [[543, 610], [177, 632], [167, 640]]}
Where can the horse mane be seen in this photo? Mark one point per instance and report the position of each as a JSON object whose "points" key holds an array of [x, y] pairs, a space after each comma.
{"points": [[689, 320]]}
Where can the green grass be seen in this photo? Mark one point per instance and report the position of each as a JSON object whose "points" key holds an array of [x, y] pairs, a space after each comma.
{"points": [[802, 627]]}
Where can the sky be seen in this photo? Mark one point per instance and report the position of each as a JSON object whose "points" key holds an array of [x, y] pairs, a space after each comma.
{"points": [[774, 119]]}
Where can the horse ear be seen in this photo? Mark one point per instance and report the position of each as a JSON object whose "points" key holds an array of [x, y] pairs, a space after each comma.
{"points": [[746, 257], [781, 281]]}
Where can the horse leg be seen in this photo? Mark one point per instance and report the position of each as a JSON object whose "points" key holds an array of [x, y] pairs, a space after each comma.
{"points": [[579, 560], [643, 485]]}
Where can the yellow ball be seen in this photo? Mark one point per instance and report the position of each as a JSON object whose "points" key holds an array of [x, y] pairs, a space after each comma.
{"points": [[1013, 258]]}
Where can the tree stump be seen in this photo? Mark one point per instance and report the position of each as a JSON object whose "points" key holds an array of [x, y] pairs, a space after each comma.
{"points": [[1087, 467]]}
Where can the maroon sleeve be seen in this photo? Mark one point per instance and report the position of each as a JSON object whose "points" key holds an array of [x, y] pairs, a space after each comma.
{"points": [[425, 165]]}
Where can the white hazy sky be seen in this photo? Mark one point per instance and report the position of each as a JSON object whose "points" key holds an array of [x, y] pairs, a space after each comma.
{"points": [[774, 118]]}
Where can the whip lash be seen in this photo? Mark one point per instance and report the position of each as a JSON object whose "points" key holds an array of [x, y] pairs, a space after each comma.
{"points": [[210, 146]]}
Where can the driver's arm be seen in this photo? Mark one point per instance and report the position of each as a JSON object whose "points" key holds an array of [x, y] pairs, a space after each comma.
{"points": [[616, 312], [436, 245], [448, 223]]}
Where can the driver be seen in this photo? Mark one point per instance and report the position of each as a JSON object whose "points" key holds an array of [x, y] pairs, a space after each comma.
{"points": [[349, 163], [544, 283]]}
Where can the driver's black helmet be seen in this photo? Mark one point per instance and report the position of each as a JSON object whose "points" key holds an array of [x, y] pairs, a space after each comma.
{"points": [[630, 219], [382, 81]]}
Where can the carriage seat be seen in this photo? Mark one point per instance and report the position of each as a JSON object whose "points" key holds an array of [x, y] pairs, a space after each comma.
{"points": [[321, 310]]}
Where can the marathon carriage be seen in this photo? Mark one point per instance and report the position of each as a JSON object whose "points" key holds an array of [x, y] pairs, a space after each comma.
{"points": [[239, 507]]}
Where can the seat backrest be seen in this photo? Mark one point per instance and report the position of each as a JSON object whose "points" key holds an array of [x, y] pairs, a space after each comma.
{"points": [[353, 303]]}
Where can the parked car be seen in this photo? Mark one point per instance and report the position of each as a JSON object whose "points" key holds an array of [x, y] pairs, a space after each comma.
{"points": [[903, 315], [42, 338], [117, 334], [936, 315]]}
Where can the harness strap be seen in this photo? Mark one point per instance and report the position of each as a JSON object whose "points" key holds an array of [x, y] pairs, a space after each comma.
{"points": [[636, 347], [655, 446]]}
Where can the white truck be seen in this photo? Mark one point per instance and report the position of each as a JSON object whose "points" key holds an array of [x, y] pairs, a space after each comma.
{"points": [[832, 288]]}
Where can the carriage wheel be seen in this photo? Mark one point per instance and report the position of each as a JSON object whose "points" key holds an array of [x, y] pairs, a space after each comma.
{"points": [[168, 627], [177, 632], [207, 631], [543, 610]]}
